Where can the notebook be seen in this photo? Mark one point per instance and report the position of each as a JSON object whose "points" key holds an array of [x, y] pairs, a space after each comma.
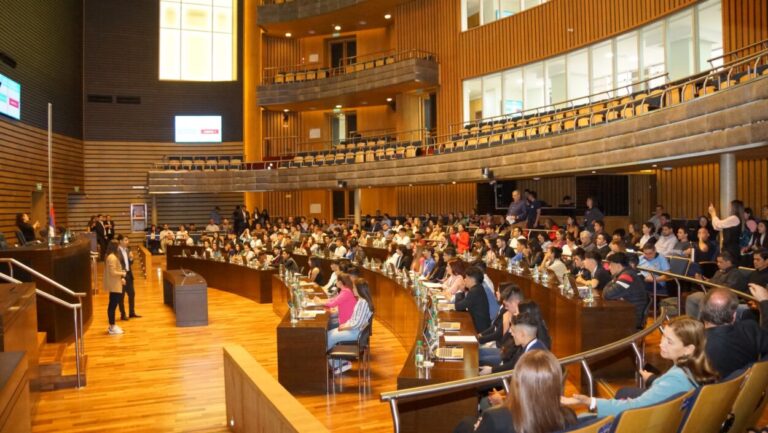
{"points": [[449, 353]]}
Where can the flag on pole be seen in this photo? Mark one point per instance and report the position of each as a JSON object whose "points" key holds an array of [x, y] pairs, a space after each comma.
{"points": [[52, 220]]}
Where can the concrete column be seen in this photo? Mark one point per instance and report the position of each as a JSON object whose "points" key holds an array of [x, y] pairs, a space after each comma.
{"points": [[727, 183], [358, 196], [154, 209]]}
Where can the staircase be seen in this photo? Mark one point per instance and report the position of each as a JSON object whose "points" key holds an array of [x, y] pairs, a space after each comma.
{"points": [[57, 368]]}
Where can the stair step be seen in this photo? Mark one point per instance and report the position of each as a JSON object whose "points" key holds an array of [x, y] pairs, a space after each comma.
{"points": [[52, 352], [49, 370], [41, 341]]}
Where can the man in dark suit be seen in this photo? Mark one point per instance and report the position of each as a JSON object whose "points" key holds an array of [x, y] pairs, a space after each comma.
{"points": [[126, 259], [732, 344], [475, 300], [109, 227], [101, 235], [524, 330], [289, 263], [238, 220], [503, 250]]}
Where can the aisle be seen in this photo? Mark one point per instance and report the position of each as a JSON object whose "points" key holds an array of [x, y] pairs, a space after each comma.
{"points": [[160, 378]]}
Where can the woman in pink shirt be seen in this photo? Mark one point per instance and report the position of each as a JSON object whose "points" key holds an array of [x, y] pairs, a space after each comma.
{"points": [[344, 302], [455, 280]]}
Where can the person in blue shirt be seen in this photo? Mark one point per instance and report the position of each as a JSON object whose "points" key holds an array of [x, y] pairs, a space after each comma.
{"points": [[683, 343], [653, 260], [429, 262]]}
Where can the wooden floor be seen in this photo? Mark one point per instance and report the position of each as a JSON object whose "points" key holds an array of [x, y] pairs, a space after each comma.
{"points": [[160, 378]]}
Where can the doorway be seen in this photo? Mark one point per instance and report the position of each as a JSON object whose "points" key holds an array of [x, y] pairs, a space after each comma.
{"points": [[342, 52], [341, 124]]}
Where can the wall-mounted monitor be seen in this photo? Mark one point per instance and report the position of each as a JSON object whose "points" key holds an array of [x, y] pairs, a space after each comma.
{"points": [[198, 129], [10, 97]]}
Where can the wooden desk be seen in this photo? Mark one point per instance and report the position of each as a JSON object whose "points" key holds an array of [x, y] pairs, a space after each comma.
{"points": [[188, 296], [18, 323], [251, 283], [69, 265], [15, 409]]}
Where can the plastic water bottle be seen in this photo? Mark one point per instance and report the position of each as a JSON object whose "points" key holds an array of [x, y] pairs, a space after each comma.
{"points": [[536, 273], [419, 358]]}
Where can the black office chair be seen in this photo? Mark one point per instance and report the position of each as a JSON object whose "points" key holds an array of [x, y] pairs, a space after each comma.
{"points": [[3, 242], [352, 351], [20, 237]]}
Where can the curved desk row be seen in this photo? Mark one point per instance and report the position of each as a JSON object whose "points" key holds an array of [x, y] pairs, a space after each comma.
{"points": [[241, 280]]}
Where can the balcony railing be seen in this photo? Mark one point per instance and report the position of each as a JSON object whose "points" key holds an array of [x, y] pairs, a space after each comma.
{"points": [[310, 72]]}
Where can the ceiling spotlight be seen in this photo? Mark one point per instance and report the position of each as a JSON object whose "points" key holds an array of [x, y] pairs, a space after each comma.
{"points": [[337, 28], [536, 178], [594, 172], [487, 173], [338, 107], [387, 16], [362, 23], [453, 183], [341, 184], [389, 99], [311, 32], [285, 110], [288, 34], [655, 165]]}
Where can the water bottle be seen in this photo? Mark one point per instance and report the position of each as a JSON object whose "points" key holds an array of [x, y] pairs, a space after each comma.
{"points": [[566, 283], [419, 358], [536, 273]]}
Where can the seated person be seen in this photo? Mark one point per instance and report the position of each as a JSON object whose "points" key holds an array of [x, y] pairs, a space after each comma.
{"points": [[362, 313], [627, 285], [27, 230], [429, 262], [598, 276], [727, 275], [601, 245], [653, 260], [513, 346], [553, 261], [760, 263], [733, 344], [533, 404], [314, 275], [289, 263], [344, 302], [475, 299], [683, 344], [454, 280], [491, 340], [665, 244], [330, 285]]}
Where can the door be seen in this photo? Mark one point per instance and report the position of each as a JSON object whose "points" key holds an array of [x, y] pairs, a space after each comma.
{"points": [[342, 52]]}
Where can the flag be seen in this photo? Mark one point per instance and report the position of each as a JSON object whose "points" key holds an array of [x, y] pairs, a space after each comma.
{"points": [[52, 220]]}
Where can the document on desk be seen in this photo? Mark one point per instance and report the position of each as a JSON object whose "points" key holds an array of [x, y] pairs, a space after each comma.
{"points": [[460, 339], [431, 285], [310, 314]]}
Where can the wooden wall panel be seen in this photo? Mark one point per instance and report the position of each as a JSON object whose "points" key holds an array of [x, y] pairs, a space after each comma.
{"points": [[436, 199], [529, 36], [381, 199], [297, 203], [25, 163], [687, 191], [112, 169], [744, 23], [642, 197], [280, 52]]}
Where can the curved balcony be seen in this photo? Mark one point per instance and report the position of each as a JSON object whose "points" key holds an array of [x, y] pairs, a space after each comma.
{"points": [[320, 16], [702, 116], [363, 80]]}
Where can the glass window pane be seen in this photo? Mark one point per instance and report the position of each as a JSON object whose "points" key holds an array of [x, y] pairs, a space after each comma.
{"points": [[198, 2], [556, 80], [170, 55], [680, 45], [578, 75], [492, 95], [194, 17], [473, 99], [490, 13], [196, 56], [170, 15], [627, 71], [534, 85], [509, 7], [602, 70], [222, 20], [472, 13], [710, 34], [527, 4], [653, 53], [222, 57], [513, 91]]}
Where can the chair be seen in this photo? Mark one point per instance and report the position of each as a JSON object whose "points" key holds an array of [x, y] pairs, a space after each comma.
{"points": [[389, 153], [353, 351], [20, 237], [359, 156], [678, 266], [235, 162], [186, 163], [659, 418], [708, 269], [751, 401], [711, 406], [746, 272], [591, 425]]}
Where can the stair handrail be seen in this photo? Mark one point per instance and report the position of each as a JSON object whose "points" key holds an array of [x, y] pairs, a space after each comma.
{"points": [[13, 262], [77, 313]]}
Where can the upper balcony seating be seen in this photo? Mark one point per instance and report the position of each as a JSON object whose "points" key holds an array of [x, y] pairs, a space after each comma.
{"points": [[200, 162]]}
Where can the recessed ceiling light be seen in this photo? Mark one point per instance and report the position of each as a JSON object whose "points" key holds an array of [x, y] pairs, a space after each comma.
{"points": [[311, 32], [655, 165], [285, 110], [570, 30], [338, 106], [337, 28], [364, 103], [362, 23], [389, 99], [453, 183], [410, 184], [288, 34], [536, 178], [593, 172], [387, 16]]}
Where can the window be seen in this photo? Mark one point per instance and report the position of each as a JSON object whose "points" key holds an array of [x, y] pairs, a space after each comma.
{"points": [[710, 34], [198, 40], [476, 13], [627, 71], [602, 70], [680, 45]]}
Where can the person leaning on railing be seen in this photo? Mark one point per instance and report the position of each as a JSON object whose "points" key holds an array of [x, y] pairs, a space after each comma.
{"points": [[683, 342], [727, 275], [533, 405]]}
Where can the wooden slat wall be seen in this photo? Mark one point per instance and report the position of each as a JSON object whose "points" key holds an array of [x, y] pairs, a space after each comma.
{"points": [[113, 168], [280, 51], [531, 35], [642, 197], [550, 189], [687, 191], [25, 163], [744, 22], [436, 199], [297, 203]]}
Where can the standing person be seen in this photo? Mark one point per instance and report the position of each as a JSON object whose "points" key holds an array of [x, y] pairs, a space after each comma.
{"points": [[126, 259], [238, 220], [101, 235], [533, 210], [730, 228], [216, 215], [109, 226], [592, 214], [114, 280], [517, 209], [26, 229]]}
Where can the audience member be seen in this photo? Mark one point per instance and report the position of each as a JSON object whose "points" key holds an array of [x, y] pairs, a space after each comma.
{"points": [[474, 299]]}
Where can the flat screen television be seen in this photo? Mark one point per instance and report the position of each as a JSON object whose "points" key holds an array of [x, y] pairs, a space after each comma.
{"points": [[10, 97], [198, 129]]}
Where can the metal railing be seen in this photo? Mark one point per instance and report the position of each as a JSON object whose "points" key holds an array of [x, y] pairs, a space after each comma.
{"points": [[311, 72], [580, 358], [77, 308], [763, 43]]}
